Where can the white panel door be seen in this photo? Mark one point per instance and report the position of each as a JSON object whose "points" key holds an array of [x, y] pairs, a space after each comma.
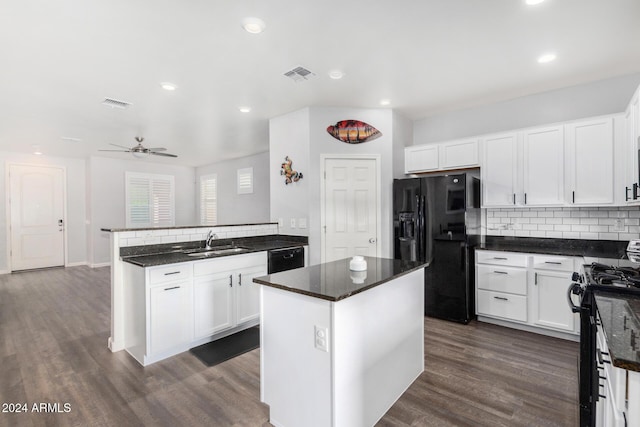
{"points": [[591, 161], [37, 208], [549, 301], [248, 293], [213, 304], [350, 204], [498, 170], [543, 153], [170, 316]]}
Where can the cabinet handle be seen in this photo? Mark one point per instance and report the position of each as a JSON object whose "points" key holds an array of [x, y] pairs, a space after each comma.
{"points": [[231, 280], [535, 279], [502, 298], [626, 194], [514, 198], [173, 272], [175, 287], [553, 262], [500, 272], [635, 191], [240, 279], [525, 198], [602, 396], [291, 255], [573, 197], [500, 258]]}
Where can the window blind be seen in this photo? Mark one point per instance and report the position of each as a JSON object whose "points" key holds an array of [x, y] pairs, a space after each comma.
{"points": [[209, 199], [245, 181], [150, 200]]}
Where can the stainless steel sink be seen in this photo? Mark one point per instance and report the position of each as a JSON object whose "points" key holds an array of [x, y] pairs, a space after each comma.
{"points": [[217, 250]]}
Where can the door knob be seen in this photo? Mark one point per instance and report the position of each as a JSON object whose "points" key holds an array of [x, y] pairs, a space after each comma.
{"points": [[372, 240]]}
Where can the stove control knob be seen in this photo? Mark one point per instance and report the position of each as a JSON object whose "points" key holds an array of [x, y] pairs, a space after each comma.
{"points": [[575, 277]]}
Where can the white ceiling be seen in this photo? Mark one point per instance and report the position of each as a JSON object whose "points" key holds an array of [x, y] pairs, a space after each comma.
{"points": [[60, 59]]}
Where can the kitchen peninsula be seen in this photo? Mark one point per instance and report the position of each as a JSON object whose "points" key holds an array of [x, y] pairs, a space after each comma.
{"points": [[339, 347]]}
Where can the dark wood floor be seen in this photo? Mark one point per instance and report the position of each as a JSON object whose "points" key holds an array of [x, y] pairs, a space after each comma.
{"points": [[54, 326]]}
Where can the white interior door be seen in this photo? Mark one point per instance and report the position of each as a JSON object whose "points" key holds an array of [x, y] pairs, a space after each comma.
{"points": [[37, 209], [350, 208]]}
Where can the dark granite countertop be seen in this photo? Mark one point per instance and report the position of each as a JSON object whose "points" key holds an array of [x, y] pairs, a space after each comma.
{"points": [[567, 247], [333, 281], [620, 315], [171, 253], [178, 227]]}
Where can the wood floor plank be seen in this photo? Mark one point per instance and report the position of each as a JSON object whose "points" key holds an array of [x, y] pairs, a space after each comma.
{"points": [[54, 326]]}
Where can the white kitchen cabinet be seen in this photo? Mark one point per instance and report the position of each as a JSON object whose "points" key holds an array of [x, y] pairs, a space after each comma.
{"points": [[527, 291], [421, 158], [632, 143], [543, 166], [633, 399], [590, 162], [170, 320], [499, 177], [225, 296], [459, 154]]}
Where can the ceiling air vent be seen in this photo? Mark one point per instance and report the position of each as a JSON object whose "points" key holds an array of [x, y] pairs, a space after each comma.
{"points": [[299, 74], [114, 103]]}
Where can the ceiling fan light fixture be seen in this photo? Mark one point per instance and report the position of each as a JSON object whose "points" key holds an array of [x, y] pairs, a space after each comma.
{"points": [[253, 25], [139, 154]]}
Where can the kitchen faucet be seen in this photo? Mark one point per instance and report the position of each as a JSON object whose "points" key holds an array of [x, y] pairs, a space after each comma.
{"points": [[210, 238]]}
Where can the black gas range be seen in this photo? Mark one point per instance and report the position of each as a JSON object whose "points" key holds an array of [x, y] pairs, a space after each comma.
{"points": [[615, 276]]}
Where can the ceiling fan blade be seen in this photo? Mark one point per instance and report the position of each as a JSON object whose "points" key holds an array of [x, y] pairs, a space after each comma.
{"points": [[162, 154], [157, 149], [119, 151], [121, 146]]}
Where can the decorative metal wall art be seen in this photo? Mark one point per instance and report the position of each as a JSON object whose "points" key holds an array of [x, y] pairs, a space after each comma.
{"points": [[290, 175], [353, 131]]}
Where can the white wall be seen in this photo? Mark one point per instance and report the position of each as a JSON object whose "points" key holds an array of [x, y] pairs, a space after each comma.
{"points": [[402, 137], [107, 198], [289, 136], [570, 103], [76, 203], [234, 208]]}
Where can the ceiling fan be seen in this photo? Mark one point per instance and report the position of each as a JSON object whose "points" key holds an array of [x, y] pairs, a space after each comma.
{"points": [[141, 151]]}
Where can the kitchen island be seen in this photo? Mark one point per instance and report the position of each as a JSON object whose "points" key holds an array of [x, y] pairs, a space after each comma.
{"points": [[339, 347]]}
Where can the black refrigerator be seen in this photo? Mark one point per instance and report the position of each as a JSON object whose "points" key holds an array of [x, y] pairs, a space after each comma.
{"points": [[437, 220]]}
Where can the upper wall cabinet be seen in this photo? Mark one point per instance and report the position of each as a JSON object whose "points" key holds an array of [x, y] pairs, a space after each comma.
{"points": [[632, 144], [444, 156], [499, 170], [543, 166], [590, 162]]}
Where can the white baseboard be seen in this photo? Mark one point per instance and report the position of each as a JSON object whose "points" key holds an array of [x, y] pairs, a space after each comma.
{"points": [[100, 264], [4, 272], [76, 264]]}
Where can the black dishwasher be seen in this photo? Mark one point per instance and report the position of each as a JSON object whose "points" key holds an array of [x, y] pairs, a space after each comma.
{"points": [[285, 259]]}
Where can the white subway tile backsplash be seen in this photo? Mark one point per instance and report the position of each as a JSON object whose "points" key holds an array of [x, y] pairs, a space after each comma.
{"points": [[169, 239], [569, 223]]}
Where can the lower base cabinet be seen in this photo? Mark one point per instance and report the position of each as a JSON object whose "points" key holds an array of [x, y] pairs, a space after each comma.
{"points": [[170, 325], [549, 301]]}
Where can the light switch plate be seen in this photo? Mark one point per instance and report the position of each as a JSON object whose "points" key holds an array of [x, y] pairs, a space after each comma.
{"points": [[302, 223], [293, 223], [321, 337]]}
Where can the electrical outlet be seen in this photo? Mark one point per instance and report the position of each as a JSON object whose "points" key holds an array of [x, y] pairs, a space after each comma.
{"points": [[618, 225], [293, 223], [321, 337], [302, 223]]}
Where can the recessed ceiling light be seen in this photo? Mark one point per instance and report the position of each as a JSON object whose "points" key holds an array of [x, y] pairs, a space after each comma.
{"points": [[244, 109], [547, 57], [253, 25], [168, 86], [385, 101], [533, 2], [37, 153], [336, 74]]}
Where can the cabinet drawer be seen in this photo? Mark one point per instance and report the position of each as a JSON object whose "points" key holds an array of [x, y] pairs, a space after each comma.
{"points": [[169, 273], [501, 258], [502, 279], [559, 263], [506, 306], [229, 263]]}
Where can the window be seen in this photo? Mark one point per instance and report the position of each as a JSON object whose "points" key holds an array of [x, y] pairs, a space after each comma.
{"points": [[245, 181], [150, 200], [209, 199]]}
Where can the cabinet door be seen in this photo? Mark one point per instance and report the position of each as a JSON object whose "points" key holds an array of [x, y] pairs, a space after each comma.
{"points": [[498, 170], [248, 293], [549, 307], [421, 158], [213, 304], [170, 316], [632, 143], [591, 162], [543, 153], [459, 154]]}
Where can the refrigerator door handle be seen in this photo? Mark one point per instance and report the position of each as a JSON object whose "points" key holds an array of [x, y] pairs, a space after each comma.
{"points": [[463, 256]]}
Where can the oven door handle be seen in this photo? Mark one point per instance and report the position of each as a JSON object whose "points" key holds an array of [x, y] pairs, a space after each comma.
{"points": [[575, 289]]}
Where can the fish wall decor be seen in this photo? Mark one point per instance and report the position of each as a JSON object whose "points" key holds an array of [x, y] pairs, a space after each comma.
{"points": [[290, 175], [353, 131]]}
